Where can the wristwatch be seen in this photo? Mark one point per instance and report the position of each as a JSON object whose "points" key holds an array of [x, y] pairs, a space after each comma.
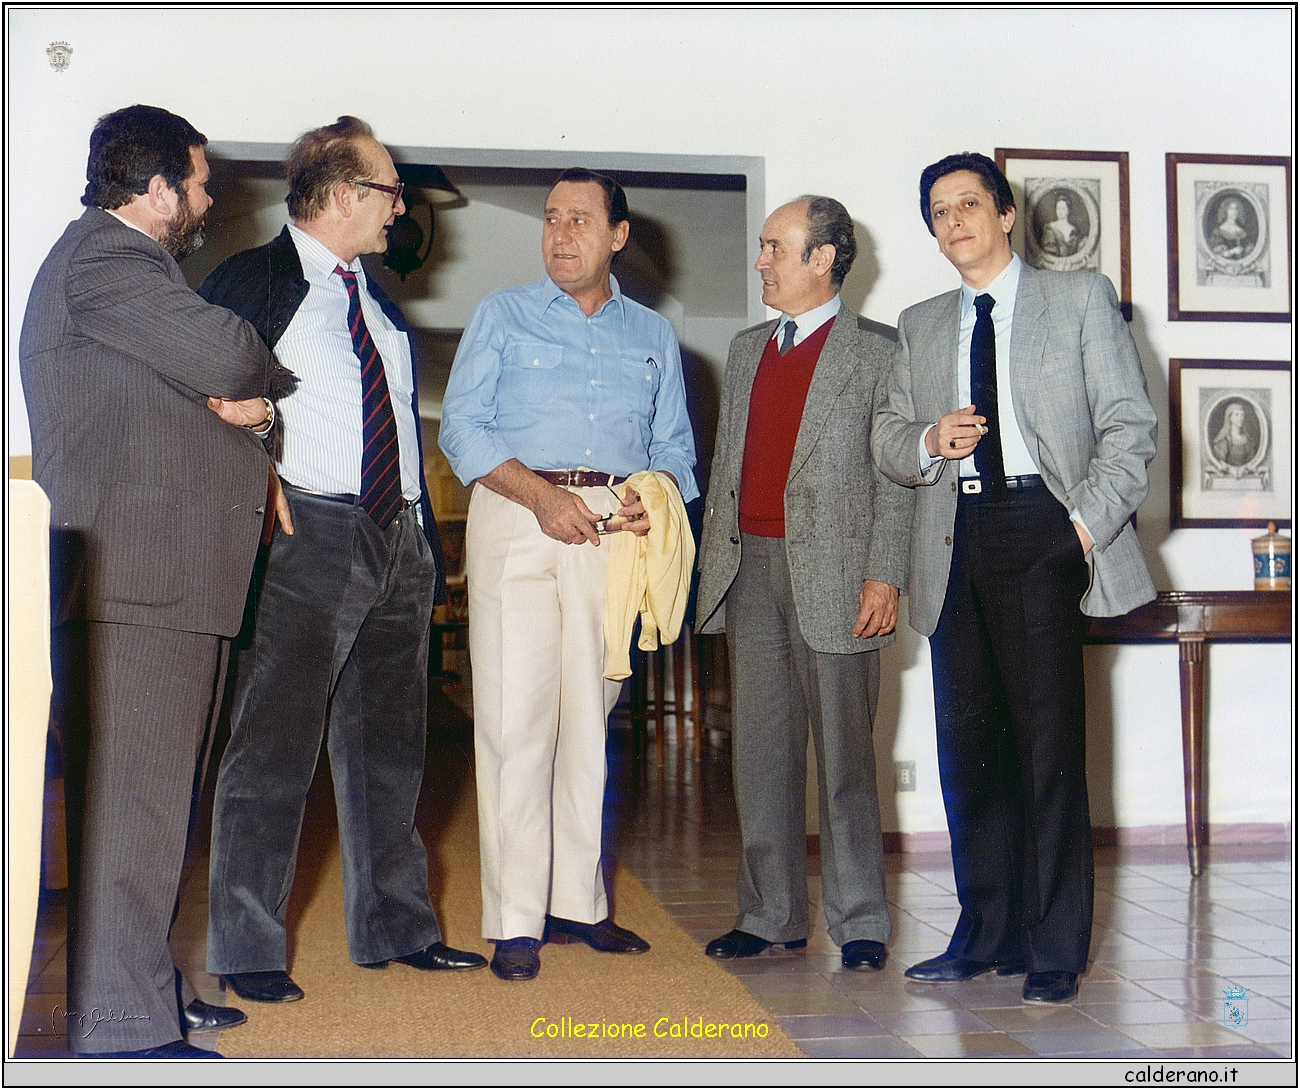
{"points": [[264, 427]]}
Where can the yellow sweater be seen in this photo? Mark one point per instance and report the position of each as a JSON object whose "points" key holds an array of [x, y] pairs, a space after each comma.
{"points": [[649, 575]]}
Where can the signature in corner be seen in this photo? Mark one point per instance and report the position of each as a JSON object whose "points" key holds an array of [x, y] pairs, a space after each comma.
{"points": [[93, 1017]]}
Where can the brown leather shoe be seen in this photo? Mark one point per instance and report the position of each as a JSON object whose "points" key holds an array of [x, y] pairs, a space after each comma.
{"points": [[606, 936]]}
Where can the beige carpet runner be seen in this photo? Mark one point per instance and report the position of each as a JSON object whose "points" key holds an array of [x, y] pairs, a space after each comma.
{"points": [[670, 1002]]}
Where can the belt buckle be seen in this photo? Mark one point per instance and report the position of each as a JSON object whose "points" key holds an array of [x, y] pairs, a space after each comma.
{"points": [[972, 486]]}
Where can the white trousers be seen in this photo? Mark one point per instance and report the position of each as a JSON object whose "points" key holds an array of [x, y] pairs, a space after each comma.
{"points": [[541, 704]]}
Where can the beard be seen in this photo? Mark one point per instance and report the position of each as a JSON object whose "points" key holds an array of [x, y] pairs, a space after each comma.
{"points": [[184, 234]]}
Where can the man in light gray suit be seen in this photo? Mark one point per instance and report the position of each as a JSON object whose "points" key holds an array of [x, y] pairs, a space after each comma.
{"points": [[1018, 411], [803, 555], [146, 406]]}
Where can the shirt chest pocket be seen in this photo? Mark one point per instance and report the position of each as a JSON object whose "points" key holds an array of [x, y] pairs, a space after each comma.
{"points": [[638, 381], [531, 368]]}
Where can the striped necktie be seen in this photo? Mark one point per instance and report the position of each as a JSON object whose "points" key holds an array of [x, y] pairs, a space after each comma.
{"points": [[381, 471]]}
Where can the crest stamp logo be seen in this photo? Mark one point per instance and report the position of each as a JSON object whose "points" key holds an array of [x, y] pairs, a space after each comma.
{"points": [[60, 54], [1236, 1009]]}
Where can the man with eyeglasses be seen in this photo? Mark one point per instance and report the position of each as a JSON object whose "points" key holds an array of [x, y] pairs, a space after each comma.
{"points": [[342, 608]]}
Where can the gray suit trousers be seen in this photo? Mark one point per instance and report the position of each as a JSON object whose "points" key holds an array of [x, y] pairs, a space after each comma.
{"points": [[151, 697], [780, 686]]}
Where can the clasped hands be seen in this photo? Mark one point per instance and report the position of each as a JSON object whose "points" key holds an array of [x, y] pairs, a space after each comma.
{"points": [[562, 515]]}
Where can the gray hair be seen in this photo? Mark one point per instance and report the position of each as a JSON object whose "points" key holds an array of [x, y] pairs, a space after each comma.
{"points": [[829, 224]]}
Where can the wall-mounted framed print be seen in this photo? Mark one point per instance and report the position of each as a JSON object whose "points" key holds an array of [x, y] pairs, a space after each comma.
{"points": [[1230, 442], [1072, 212], [1229, 224]]}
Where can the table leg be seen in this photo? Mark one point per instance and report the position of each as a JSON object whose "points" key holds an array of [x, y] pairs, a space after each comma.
{"points": [[1191, 677]]}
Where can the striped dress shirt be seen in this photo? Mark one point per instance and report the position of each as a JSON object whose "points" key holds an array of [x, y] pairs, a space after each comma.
{"points": [[321, 449]]}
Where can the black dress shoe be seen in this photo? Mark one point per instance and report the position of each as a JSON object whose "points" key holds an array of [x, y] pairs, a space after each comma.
{"points": [[1053, 986], [436, 957], [516, 959], [266, 986], [606, 936], [741, 944], [863, 954], [173, 1050], [948, 969], [200, 1017]]}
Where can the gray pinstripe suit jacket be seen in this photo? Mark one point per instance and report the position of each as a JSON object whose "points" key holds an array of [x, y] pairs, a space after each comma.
{"points": [[1081, 404], [844, 521], [161, 498]]}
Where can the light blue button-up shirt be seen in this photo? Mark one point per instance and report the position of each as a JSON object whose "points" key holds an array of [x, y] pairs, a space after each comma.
{"points": [[537, 380]]}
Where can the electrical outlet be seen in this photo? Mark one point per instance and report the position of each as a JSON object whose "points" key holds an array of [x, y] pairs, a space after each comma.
{"points": [[904, 775]]}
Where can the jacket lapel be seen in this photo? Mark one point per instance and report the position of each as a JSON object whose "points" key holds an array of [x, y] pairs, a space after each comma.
{"points": [[1029, 330], [286, 286], [747, 361], [834, 366], [939, 374]]}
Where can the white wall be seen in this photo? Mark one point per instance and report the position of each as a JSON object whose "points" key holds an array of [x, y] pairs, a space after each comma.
{"points": [[851, 103]]}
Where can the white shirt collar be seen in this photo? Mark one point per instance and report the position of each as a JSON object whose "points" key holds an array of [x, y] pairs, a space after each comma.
{"points": [[810, 321], [1003, 288], [133, 226]]}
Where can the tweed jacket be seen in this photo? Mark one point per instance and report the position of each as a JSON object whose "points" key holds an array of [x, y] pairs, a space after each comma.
{"points": [[266, 286], [1081, 404], [844, 521], [156, 503]]}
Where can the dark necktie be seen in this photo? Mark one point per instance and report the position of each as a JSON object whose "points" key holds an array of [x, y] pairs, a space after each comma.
{"points": [[984, 393], [787, 337], [381, 471]]}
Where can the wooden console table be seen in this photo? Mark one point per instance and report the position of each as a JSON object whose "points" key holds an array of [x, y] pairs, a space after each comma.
{"points": [[1195, 618]]}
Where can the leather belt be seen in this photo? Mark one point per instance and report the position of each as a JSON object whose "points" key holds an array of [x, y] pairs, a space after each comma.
{"points": [[578, 478], [973, 486], [337, 497]]}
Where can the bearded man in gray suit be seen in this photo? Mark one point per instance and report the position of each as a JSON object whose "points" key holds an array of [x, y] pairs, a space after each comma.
{"points": [[147, 406], [1018, 412], [802, 558]]}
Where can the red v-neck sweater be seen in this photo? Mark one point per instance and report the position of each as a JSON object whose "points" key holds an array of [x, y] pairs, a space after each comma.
{"points": [[775, 412]]}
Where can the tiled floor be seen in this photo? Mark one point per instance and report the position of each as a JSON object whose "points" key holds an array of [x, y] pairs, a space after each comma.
{"points": [[1165, 947]]}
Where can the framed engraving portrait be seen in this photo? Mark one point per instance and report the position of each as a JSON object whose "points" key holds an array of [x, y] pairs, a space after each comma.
{"points": [[1230, 442], [1072, 212], [1229, 224]]}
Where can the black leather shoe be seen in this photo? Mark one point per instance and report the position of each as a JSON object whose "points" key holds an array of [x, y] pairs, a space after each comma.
{"points": [[516, 959], [200, 1017], [606, 936], [863, 954], [434, 958], [1053, 986], [948, 969], [173, 1050], [741, 944], [266, 986]]}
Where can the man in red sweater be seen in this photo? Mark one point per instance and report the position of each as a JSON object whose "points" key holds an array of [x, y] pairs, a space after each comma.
{"points": [[803, 552]]}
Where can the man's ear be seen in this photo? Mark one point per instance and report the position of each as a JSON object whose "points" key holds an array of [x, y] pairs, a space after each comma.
{"points": [[162, 199], [621, 233], [344, 199], [823, 258]]}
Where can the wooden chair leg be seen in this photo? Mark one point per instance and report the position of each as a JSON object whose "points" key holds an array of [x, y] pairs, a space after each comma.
{"points": [[658, 713], [697, 695]]}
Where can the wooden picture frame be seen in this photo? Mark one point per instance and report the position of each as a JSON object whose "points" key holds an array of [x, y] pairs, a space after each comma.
{"points": [[1073, 212], [1230, 440], [1229, 237]]}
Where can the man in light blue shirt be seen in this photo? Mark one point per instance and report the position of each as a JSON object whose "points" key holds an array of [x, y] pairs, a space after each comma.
{"points": [[560, 390]]}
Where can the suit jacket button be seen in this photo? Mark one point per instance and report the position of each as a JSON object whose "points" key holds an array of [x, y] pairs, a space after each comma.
{"points": [[947, 541], [954, 486], [733, 493], [735, 541], [260, 510]]}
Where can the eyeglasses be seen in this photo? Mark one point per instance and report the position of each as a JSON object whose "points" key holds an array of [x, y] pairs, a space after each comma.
{"points": [[395, 190]]}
